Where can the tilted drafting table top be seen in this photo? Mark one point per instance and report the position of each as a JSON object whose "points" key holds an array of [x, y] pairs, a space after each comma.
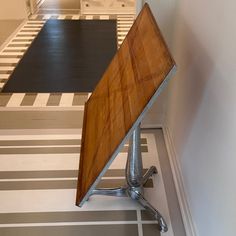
{"points": [[128, 88]]}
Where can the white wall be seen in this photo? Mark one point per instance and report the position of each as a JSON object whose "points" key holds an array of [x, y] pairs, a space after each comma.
{"points": [[12, 9], [164, 12], [201, 112]]}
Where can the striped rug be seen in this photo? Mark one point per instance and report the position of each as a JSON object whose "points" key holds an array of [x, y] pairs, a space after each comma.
{"points": [[15, 49], [38, 174]]}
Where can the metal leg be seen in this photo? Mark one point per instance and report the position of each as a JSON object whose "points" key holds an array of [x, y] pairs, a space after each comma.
{"points": [[134, 165], [162, 224], [152, 170], [117, 192], [135, 180]]}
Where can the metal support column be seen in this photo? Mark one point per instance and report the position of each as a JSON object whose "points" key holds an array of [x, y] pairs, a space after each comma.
{"points": [[135, 180]]}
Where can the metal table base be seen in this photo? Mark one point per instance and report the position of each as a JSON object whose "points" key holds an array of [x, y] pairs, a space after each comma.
{"points": [[135, 180]]}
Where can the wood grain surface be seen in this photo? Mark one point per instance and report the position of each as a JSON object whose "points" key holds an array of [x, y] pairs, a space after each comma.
{"points": [[130, 81]]}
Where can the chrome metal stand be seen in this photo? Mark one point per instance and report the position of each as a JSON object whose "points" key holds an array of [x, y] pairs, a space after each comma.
{"points": [[135, 180]]}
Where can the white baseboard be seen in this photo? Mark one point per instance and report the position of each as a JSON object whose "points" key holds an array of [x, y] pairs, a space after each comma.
{"points": [[178, 181]]}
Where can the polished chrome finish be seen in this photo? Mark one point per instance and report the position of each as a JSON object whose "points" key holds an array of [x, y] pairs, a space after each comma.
{"points": [[152, 170], [135, 180], [162, 224], [116, 192], [134, 165]]}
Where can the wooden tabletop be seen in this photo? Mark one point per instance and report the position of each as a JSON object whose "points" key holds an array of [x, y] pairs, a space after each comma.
{"points": [[134, 75]]}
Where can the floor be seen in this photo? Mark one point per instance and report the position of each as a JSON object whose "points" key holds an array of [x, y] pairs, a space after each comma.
{"points": [[40, 135], [38, 172]]}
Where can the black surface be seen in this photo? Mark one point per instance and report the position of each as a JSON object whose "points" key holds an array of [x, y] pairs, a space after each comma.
{"points": [[66, 56]]}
